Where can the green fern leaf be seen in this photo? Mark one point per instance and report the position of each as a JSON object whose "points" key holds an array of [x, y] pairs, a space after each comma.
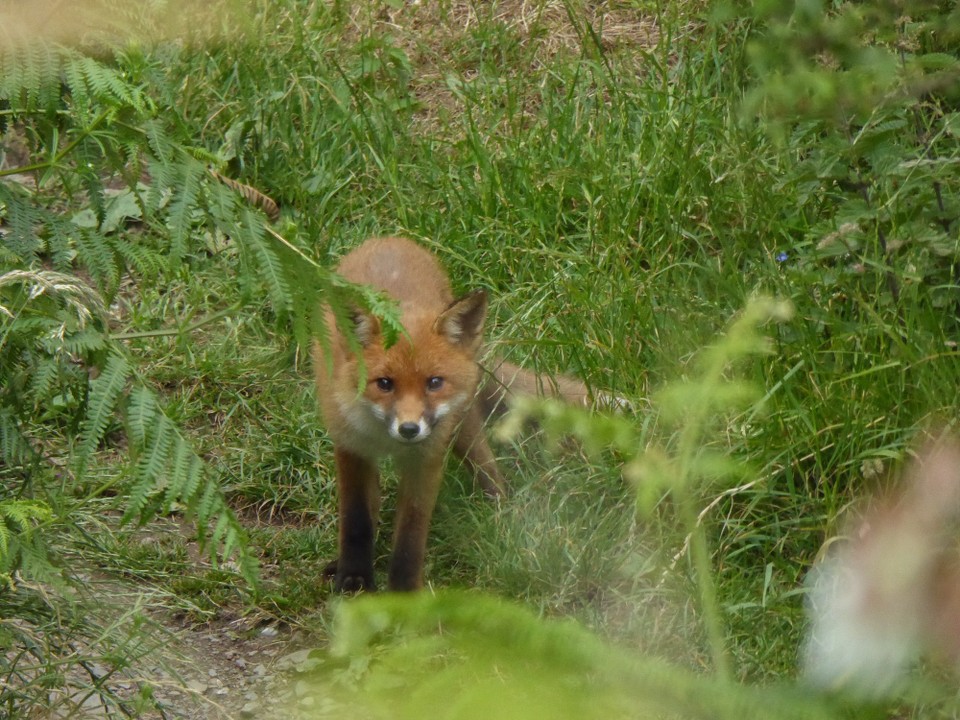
{"points": [[29, 75], [108, 85], [178, 473], [46, 374], [82, 343], [18, 551], [105, 392], [6, 539], [140, 415], [20, 222], [156, 452], [263, 259], [98, 258], [169, 472], [207, 504], [183, 208], [162, 148], [144, 260], [14, 447]]}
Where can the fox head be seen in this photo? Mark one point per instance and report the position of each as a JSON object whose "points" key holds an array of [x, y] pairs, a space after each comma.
{"points": [[429, 375]]}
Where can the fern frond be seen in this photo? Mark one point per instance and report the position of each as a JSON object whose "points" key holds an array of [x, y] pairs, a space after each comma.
{"points": [[85, 342], [20, 515], [33, 560], [105, 392], [18, 519], [183, 208], [46, 373], [206, 504], [14, 447], [162, 148], [107, 84], [144, 260], [21, 220], [149, 475], [30, 75], [140, 415], [169, 472], [98, 257], [263, 259], [181, 473]]}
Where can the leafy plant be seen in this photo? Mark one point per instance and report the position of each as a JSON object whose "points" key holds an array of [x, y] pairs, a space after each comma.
{"points": [[866, 96], [474, 656], [20, 552]]}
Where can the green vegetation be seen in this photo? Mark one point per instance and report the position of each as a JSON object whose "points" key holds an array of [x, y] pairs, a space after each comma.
{"points": [[623, 179]]}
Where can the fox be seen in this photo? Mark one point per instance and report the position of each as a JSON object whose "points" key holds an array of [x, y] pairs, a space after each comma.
{"points": [[420, 397]]}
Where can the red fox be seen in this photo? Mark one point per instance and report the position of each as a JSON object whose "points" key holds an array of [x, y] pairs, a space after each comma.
{"points": [[420, 397]]}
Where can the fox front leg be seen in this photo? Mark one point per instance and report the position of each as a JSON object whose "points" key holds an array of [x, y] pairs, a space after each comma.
{"points": [[358, 485]]}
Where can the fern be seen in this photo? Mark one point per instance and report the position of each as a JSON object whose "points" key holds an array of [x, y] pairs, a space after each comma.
{"points": [[105, 393], [106, 84], [96, 253], [262, 259], [20, 218], [141, 411], [29, 75], [89, 121], [83, 343], [19, 550], [14, 447], [183, 208], [46, 374], [148, 475], [168, 472], [144, 260]]}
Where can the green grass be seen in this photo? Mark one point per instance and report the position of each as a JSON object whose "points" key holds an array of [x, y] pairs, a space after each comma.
{"points": [[620, 215], [621, 211]]}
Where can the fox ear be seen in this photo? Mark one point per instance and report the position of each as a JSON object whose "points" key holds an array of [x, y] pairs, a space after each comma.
{"points": [[366, 327], [462, 322]]}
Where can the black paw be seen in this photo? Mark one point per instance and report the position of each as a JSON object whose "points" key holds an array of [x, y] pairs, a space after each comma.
{"points": [[354, 583], [350, 580]]}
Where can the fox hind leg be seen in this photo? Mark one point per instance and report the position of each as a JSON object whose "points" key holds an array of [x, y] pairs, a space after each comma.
{"points": [[419, 486], [471, 445]]}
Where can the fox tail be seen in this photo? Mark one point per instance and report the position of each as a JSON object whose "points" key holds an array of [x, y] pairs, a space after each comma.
{"points": [[504, 381]]}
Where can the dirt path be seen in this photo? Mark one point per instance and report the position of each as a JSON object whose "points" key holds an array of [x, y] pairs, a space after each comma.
{"points": [[219, 672]]}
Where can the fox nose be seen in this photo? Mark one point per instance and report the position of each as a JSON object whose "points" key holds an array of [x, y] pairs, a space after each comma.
{"points": [[408, 430]]}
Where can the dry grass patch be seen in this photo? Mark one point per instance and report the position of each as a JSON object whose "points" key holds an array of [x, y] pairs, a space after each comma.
{"points": [[449, 42]]}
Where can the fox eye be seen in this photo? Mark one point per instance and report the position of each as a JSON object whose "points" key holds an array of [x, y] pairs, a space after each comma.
{"points": [[385, 384], [434, 383]]}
